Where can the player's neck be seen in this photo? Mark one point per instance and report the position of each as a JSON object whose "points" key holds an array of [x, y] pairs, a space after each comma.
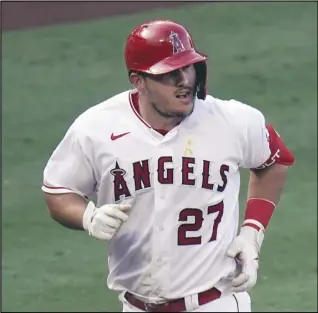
{"points": [[155, 119]]}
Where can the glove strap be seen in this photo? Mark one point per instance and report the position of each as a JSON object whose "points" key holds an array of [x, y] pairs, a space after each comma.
{"points": [[88, 216], [253, 231]]}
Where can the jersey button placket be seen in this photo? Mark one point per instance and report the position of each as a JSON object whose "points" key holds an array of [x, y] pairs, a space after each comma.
{"points": [[159, 245]]}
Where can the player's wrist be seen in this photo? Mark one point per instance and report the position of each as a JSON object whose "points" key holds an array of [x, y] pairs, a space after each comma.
{"points": [[253, 232], [258, 213], [257, 216]]}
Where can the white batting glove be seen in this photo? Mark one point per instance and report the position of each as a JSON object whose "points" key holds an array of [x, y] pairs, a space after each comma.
{"points": [[103, 222], [245, 248]]}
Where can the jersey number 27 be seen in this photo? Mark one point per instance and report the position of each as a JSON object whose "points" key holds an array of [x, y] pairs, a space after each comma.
{"points": [[183, 239]]}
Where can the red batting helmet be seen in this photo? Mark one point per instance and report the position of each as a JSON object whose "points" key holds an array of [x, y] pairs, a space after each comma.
{"points": [[161, 46]]}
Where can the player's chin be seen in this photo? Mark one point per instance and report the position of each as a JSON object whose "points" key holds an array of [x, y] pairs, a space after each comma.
{"points": [[184, 106], [183, 111]]}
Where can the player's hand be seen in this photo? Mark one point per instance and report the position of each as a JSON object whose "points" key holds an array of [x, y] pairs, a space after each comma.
{"points": [[245, 250], [103, 222]]}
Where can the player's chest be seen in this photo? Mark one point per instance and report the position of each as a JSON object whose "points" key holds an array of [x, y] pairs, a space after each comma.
{"points": [[135, 163]]}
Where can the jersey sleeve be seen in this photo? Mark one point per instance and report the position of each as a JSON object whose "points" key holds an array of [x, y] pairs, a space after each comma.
{"points": [[256, 148], [69, 169]]}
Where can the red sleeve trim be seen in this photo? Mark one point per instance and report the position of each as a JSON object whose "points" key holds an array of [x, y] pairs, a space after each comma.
{"points": [[50, 187]]}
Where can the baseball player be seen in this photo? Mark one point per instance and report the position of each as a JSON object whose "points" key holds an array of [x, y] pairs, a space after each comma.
{"points": [[162, 161]]}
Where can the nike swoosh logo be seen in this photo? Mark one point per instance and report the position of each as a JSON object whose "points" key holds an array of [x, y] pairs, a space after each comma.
{"points": [[114, 137]]}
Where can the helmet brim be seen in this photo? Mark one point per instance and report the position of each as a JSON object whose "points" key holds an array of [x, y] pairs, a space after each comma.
{"points": [[176, 61]]}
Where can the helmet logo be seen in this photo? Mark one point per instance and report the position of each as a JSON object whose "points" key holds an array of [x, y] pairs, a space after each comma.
{"points": [[177, 44]]}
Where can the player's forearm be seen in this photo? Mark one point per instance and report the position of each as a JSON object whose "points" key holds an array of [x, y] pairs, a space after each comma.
{"points": [[264, 192], [267, 183], [67, 209]]}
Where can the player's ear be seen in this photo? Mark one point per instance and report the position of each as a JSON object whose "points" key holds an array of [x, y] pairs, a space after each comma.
{"points": [[137, 79]]}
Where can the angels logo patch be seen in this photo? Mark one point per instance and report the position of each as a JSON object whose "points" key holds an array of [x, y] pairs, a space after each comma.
{"points": [[177, 44]]}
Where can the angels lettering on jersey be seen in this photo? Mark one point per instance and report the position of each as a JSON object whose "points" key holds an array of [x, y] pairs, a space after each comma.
{"points": [[165, 176]]}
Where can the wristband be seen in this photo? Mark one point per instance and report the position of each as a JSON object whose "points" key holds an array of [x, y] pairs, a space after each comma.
{"points": [[258, 213]]}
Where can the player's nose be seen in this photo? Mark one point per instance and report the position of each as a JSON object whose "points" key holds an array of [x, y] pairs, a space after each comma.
{"points": [[182, 78]]}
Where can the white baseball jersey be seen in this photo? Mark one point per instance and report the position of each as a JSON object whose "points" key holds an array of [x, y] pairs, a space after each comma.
{"points": [[183, 186]]}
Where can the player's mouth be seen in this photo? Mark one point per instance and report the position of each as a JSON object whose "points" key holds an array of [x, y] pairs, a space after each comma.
{"points": [[185, 96]]}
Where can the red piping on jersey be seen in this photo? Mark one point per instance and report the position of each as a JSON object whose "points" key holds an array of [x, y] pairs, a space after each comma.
{"points": [[134, 103], [49, 187], [133, 99]]}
